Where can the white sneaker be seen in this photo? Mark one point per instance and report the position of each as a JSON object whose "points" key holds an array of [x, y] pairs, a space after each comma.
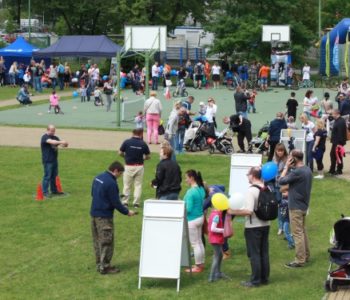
{"points": [[319, 177], [280, 231]]}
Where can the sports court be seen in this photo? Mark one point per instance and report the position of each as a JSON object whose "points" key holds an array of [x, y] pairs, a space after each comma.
{"points": [[87, 115]]}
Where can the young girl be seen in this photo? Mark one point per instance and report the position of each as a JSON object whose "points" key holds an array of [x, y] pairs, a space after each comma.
{"points": [[83, 93], [54, 99], [140, 120], [216, 239], [283, 207], [291, 123], [319, 147], [194, 199], [280, 159], [98, 96], [309, 127]]}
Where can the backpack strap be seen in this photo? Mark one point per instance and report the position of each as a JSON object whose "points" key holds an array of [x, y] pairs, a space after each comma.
{"points": [[259, 188]]}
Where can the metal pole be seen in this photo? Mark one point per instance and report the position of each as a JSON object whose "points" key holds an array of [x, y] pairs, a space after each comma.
{"points": [[319, 18], [118, 90], [147, 74], [30, 23]]}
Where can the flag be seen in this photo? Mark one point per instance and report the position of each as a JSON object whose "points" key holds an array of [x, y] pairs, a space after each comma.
{"points": [[328, 57], [336, 53], [346, 55]]}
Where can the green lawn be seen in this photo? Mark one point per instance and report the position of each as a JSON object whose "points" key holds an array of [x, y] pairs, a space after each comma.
{"points": [[8, 93], [46, 249]]}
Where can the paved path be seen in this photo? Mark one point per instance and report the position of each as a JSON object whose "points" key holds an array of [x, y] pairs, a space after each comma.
{"points": [[35, 98]]}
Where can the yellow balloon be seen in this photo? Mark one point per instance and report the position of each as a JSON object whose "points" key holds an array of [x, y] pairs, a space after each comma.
{"points": [[220, 201]]}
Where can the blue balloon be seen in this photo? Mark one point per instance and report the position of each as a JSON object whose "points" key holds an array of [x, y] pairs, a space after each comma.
{"points": [[105, 77], [75, 94], [173, 73], [269, 171]]}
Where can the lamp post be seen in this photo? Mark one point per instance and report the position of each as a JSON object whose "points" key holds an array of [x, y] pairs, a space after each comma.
{"points": [[319, 18], [29, 20]]}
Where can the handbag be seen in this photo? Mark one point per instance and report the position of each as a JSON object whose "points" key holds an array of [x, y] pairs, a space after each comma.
{"points": [[228, 229], [205, 226], [161, 129]]}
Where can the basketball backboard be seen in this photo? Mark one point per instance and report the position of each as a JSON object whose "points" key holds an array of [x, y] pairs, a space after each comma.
{"points": [[143, 38], [274, 33]]}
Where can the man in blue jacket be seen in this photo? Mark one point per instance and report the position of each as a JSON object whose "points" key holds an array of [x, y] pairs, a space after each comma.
{"points": [[105, 199], [274, 134]]}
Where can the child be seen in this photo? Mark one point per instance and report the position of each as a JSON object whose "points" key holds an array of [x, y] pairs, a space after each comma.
{"points": [[140, 120], [291, 123], [202, 109], [83, 93], [216, 239], [98, 96], [54, 99], [283, 206], [251, 102], [292, 105]]}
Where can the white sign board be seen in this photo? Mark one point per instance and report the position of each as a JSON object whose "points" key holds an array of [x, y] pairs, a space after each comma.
{"points": [[165, 240], [275, 33], [240, 165], [142, 38]]}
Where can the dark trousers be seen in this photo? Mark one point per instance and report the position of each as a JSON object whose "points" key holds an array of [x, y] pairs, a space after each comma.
{"points": [[309, 157], [257, 241], [319, 163], [215, 271], [49, 179], [272, 145], [154, 83], [103, 240], [240, 138], [334, 160]]}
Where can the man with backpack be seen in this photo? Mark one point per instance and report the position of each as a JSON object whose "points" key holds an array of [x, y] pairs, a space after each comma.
{"points": [[299, 178], [60, 75], [256, 230]]}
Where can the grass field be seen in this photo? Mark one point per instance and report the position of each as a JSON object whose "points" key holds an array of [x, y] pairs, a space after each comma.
{"points": [[46, 248], [7, 93]]}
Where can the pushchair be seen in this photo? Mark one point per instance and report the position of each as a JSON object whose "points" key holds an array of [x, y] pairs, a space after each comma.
{"points": [[220, 141], [339, 255], [180, 89], [194, 139], [231, 80], [258, 142]]}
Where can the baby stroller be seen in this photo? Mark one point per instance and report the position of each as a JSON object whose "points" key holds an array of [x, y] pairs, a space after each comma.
{"points": [[339, 255], [220, 141], [194, 138], [180, 89], [258, 142]]}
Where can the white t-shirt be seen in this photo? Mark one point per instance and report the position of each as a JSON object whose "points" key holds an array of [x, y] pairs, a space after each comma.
{"points": [[215, 70], [155, 71], [251, 204], [306, 73], [308, 103], [309, 130], [210, 113]]}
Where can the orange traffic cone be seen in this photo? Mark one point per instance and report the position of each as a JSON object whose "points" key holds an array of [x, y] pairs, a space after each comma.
{"points": [[58, 185], [39, 193]]}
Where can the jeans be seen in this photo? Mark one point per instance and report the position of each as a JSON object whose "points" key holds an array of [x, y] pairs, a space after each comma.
{"points": [[287, 234], [12, 78], [179, 140], [109, 102], [50, 174], [170, 196], [251, 107], [244, 114], [155, 83], [309, 157], [53, 82], [257, 241], [37, 84], [172, 141], [215, 271], [60, 82]]}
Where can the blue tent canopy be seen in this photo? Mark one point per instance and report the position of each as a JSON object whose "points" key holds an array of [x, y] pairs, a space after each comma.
{"points": [[341, 29], [19, 48], [82, 46]]}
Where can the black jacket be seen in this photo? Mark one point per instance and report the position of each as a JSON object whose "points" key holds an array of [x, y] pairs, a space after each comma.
{"points": [[339, 132], [345, 107], [241, 102], [275, 129], [168, 177]]}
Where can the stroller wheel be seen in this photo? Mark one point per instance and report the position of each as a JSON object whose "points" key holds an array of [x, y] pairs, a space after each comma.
{"points": [[229, 150], [330, 286], [202, 147], [175, 94], [193, 147]]}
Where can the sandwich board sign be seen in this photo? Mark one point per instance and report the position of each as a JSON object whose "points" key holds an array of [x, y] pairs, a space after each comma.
{"points": [[240, 165], [165, 240]]}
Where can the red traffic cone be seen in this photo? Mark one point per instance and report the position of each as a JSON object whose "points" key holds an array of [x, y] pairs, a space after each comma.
{"points": [[39, 193], [58, 185]]}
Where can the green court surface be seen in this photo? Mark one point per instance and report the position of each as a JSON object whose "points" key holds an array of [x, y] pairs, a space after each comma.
{"points": [[86, 115]]}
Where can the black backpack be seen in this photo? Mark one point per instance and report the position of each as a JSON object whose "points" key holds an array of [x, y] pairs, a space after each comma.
{"points": [[267, 208]]}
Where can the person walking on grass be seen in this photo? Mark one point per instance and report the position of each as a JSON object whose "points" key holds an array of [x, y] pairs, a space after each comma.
{"points": [[49, 153], [153, 111], [135, 151], [319, 147], [299, 178], [105, 199]]}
